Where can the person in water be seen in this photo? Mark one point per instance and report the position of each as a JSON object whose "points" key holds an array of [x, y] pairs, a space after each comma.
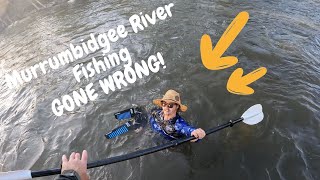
{"points": [[167, 120], [74, 168]]}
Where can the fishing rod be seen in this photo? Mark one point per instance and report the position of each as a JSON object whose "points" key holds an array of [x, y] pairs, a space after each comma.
{"points": [[251, 116]]}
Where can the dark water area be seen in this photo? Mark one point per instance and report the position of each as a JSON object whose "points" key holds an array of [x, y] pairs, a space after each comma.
{"points": [[283, 36]]}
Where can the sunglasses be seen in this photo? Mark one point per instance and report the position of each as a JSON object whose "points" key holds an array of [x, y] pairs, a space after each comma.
{"points": [[169, 105]]}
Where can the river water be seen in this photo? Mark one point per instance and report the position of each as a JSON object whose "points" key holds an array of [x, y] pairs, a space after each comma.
{"points": [[283, 36]]}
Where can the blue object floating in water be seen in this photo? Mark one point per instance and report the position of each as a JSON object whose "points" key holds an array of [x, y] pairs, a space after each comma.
{"points": [[118, 131], [126, 114]]}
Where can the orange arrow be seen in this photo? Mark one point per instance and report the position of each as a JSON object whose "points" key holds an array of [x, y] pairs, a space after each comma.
{"points": [[212, 59], [239, 85]]}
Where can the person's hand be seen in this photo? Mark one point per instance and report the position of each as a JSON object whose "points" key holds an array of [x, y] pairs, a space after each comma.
{"points": [[76, 164], [198, 134]]}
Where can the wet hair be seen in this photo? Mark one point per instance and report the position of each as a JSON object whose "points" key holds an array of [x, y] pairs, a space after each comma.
{"points": [[179, 108]]}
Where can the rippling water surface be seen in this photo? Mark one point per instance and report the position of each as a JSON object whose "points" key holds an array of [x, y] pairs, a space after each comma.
{"points": [[282, 36]]}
